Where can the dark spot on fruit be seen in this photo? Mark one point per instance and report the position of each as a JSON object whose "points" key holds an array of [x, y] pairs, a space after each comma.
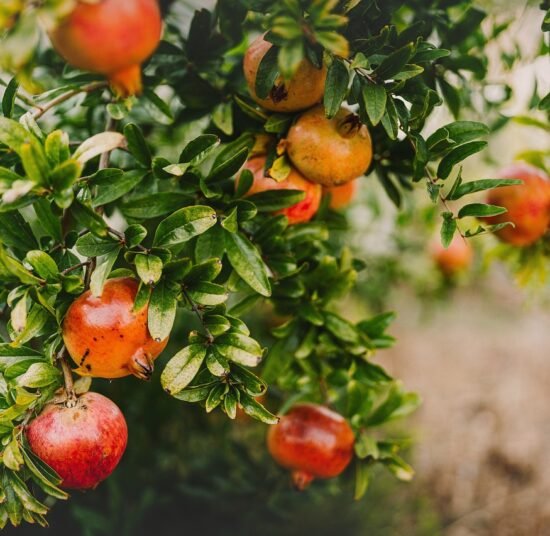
{"points": [[86, 354], [95, 339], [89, 367], [121, 336]]}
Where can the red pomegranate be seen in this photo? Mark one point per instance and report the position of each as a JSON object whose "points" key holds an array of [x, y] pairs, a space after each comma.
{"points": [[454, 259], [110, 37], [84, 443], [313, 442]]}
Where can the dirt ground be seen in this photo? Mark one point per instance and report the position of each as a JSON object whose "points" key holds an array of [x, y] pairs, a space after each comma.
{"points": [[482, 365]]}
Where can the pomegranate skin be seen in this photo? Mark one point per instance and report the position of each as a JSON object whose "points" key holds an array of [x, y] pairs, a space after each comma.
{"points": [[341, 196], [313, 442], [300, 212], [455, 259], [528, 205], [83, 444], [305, 88], [111, 37], [330, 152], [105, 338]]}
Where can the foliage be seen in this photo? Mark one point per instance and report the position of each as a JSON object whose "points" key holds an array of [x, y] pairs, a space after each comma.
{"points": [[93, 187]]}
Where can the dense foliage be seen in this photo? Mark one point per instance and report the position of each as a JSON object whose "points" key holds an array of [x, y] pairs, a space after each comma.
{"points": [[94, 187]]}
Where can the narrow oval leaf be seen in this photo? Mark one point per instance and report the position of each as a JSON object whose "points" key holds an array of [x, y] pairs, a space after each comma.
{"points": [[182, 368]]}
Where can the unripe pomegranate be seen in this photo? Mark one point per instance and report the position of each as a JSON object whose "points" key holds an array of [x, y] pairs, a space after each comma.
{"points": [[110, 37], [313, 442], [303, 90], [84, 443], [300, 212], [341, 196], [106, 338], [329, 151], [528, 205], [454, 259]]}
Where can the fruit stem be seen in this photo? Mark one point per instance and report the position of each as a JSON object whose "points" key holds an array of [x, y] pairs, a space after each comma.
{"points": [[67, 377], [301, 479]]}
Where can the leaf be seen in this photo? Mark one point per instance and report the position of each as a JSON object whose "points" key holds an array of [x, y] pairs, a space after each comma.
{"points": [[90, 245], [374, 99], [393, 63], [230, 222], [162, 310], [341, 328], [183, 225], [42, 264], [149, 268], [390, 121], [99, 144], [8, 100], [206, 293], [49, 221], [480, 210], [247, 262], [361, 479], [182, 368], [158, 103], [256, 410], [15, 232], [409, 71], [455, 134], [458, 155], [448, 228], [15, 268], [272, 200], [198, 149], [278, 123], [39, 375], [154, 205], [228, 167], [102, 271], [480, 185], [336, 87], [16, 137], [137, 145], [239, 348], [112, 184], [65, 174]]}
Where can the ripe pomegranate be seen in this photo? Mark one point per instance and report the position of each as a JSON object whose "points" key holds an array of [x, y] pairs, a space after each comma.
{"points": [[454, 259], [105, 338], [313, 442], [303, 90], [341, 196], [300, 212], [83, 443], [112, 38], [329, 151], [528, 205]]}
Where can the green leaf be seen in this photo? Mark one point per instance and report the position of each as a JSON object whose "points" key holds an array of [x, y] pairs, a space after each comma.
{"points": [[455, 134], [182, 368], [17, 269], [49, 221], [448, 228], [137, 145], [480, 210], [65, 174], [228, 167], [183, 225], [341, 328], [198, 149], [8, 100], [90, 245], [98, 144], [154, 205], [247, 262], [272, 200], [361, 479], [251, 383], [89, 219], [458, 155], [544, 103], [16, 137], [112, 184], [480, 185], [390, 120], [268, 71], [102, 271], [374, 99], [336, 87], [39, 375], [149, 268], [43, 264], [409, 71], [158, 103], [162, 310], [278, 123], [206, 293], [15, 232], [27, 500], [239, 348], [256, 410], [394, 63], [57, 147]]}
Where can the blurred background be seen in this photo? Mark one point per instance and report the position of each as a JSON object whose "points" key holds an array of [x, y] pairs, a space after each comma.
{"points": [[476, 349]]}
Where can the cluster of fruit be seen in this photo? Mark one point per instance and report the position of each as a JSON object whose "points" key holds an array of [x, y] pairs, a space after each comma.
{"points": [[327, 155]]}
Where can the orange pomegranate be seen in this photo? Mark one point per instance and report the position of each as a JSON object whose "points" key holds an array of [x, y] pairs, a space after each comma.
{"points": [[300, 212], [303, 90], [341, 196], [313, 442], [528, 205], [110, 37], [454, 259], [330, 152], [106, 338]]}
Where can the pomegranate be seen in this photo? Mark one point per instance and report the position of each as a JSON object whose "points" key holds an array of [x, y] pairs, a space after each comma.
{"points": [[528, 205], [341, 196], [329, 151], [112, 38], [106, 338], [303, 90], [84, 443], [300, 212], [313, 442], [454, 259]]}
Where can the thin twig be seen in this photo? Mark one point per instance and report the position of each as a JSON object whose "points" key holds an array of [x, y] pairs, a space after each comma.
{"points": [[75, 267], [39, 111], [199, 314]]}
